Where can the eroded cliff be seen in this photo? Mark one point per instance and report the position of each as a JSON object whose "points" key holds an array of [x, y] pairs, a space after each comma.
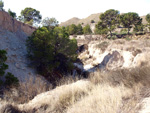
{"points": [[12, 25], [13, 35]]}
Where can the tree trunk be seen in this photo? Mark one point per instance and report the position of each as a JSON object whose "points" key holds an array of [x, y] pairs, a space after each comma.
{"points": [[128, 31], [110, 33]]}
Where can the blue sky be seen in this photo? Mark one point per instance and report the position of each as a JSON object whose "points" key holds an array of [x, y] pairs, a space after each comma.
{"points": [[63, 10]]}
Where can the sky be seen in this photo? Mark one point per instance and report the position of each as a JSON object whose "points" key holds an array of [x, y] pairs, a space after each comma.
{"points": [[64, 10]]}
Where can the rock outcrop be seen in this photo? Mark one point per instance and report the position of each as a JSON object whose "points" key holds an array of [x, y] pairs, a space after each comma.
{"points": [[114, 54]]}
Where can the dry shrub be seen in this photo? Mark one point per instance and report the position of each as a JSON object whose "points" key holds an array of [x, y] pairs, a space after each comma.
{"points": [[107, 99], [8, 108], [128, 77], [65, 80], [27, 90], [68, 96], [119, 91], [103, 45]]}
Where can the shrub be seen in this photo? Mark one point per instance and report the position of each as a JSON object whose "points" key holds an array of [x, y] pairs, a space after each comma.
{"points": [[52, 52], [87, 29], [92, 21], [10, 79]]}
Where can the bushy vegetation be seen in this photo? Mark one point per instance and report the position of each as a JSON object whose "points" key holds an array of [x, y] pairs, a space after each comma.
{"points": [[52, 52], [1, 4], [10, 79], [75, 29], [87, 30], [13, 14]]}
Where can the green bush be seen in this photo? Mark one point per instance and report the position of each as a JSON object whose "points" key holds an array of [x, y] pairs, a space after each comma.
{"points": [[10, 79], [92, 21], [87, 30], [52, 52]]}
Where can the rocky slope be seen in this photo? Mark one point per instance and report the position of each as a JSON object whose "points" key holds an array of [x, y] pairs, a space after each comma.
{"points": [[123, 86], [13, 35], [113, 54]]}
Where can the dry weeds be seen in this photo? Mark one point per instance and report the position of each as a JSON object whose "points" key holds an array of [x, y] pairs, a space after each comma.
{"points": [[120, 91]]}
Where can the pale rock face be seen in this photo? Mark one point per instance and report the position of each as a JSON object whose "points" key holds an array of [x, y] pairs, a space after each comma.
{"points": [[141, 59], [128, 57], [118, 54]]}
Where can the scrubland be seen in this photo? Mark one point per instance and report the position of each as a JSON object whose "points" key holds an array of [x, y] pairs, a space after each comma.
{"points": [[120, 91]]}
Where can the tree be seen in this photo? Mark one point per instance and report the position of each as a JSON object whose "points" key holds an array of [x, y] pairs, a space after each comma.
{"points": [[92, 21], [139, 28], [30, 15], [49, 22], [72, 29], [87, 29], [1, 5], [10, 79], [13, 14], [51, 50], [101, 28], [79, 29], [108, 21], [148, 18], [128, 20]]}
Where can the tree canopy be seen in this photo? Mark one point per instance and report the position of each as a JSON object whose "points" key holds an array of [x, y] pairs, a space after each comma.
{"points": [[128, 20], [31, 16], [108, 21], [49, 22], [1, 4], [87, 29], [72, 29], [148, 18], [13, 14], [51, 50]]}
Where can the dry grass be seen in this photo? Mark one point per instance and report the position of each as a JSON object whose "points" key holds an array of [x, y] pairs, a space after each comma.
{"points": [[119, 91], [103, 45], [27, 90]]}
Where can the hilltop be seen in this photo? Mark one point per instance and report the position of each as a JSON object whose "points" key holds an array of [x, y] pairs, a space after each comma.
{"points": [[84, 21], [87, 20]]}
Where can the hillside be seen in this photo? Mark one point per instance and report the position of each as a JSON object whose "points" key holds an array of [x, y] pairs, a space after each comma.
{"points": [[115, 74], [70, 21], [13, 35], [119, 82], [87, 20]]}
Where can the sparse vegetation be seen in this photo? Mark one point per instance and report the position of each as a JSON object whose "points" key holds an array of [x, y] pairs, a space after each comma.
{"points": [[106, 92], [27, 90], [103, 46]]}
